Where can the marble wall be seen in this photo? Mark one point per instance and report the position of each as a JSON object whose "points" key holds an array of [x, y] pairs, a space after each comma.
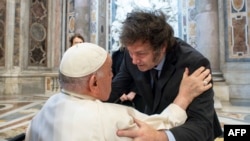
{"points": [[30, 45], [219, 30], [2, 30], [234, 47]]}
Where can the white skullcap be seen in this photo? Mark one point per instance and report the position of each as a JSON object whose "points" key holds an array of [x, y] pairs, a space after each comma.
{"points": [[82, 59]]}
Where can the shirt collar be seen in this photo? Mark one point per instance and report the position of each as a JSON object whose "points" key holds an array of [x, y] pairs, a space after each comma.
{"points": [[79, 96], [160, 65]]}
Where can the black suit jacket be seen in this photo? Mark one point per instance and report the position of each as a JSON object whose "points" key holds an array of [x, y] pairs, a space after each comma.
{"points": [[137, 103], [202, 123], [117, 57]]}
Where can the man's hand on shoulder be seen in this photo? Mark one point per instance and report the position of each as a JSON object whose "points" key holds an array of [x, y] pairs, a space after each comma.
{"points": [[143, 133]]}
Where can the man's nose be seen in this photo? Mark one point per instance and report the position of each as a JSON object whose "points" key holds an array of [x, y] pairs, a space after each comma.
{"points": [[134, 59]]}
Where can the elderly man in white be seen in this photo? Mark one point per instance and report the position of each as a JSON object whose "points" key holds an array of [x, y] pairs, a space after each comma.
{"points": [[77, 113]]}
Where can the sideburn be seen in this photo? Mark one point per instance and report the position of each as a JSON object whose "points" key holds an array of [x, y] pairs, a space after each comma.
{"points": [[157, 56]]}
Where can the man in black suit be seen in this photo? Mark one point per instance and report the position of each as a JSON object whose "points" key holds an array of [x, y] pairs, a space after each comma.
{"points": [[129, 97], [151, 46]]}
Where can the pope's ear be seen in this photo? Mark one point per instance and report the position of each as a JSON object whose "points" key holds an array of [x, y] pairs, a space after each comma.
{"points": [[92, 82], [93, 86]]}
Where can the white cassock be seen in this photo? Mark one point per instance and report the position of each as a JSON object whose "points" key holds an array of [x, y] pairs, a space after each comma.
{"points": [[70, 117]]}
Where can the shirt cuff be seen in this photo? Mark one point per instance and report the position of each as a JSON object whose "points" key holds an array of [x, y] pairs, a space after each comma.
{"points": [[170, 135], [175, 113]]}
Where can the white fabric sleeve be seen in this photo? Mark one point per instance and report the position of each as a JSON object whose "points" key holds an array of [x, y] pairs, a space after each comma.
{"points": [[171, 116], [175, 114]]}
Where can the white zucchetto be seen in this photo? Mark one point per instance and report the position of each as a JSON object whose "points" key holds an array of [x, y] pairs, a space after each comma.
{"points": [[82, 59]]}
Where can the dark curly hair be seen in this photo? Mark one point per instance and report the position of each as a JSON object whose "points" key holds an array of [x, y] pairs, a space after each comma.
{"points": [[147, 26]]}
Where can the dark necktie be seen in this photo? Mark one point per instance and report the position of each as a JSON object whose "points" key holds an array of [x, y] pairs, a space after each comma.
{"points": [[154, 74]]}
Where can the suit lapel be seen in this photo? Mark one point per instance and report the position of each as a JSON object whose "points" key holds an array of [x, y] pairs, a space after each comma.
{"points": [[166, 73], [164, 78]]}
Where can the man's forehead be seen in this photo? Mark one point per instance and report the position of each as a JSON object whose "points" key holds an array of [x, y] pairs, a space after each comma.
{"points": [[139, 46]]}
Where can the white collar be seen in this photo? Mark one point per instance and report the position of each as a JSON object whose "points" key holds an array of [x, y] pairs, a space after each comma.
{"points": [[79, 96]]}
